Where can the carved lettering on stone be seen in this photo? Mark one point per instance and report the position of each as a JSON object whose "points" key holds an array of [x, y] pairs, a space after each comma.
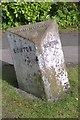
{"points": [[38, 59]]}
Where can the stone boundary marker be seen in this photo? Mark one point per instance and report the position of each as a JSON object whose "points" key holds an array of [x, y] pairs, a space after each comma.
{"points": [[38, 59]]}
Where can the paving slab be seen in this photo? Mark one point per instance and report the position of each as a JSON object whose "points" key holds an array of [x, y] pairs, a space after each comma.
{"points": [[71, 54], [69, 38]]}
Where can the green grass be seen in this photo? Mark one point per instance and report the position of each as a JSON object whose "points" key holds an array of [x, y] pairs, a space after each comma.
{"points": [[18, 105]]}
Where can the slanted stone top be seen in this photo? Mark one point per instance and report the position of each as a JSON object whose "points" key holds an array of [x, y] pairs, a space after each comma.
{"points": [[33, 32]]}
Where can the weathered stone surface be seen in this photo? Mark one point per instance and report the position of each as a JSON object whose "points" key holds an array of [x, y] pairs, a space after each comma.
{"points": [[38, 59]]}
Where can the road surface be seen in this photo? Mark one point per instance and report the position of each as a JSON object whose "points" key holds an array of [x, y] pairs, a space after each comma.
{"points": [[69, 42]]}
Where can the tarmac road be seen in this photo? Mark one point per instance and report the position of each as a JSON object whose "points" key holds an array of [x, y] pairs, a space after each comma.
{"points": [[69, 42]]}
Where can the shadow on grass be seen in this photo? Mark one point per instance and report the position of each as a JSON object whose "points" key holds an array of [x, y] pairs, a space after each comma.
{"points": [[9, 75]]}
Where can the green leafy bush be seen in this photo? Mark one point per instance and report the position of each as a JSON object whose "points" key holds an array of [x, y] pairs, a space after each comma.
{"points": [[20, 13], [67, 15]]}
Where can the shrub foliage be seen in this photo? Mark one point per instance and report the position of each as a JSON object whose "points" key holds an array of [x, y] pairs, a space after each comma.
{"points": [[20, 13]]}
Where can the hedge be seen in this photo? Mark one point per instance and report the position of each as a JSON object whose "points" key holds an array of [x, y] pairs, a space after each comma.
{"points": [[21, 13]]}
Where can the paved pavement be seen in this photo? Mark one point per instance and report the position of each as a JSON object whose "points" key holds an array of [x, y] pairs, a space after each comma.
{"points": [[69, 42]]}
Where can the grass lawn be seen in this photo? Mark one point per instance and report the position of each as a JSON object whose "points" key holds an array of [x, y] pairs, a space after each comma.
{"points": [[18, 105]]}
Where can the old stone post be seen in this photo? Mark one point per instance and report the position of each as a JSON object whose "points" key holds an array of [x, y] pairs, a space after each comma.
{"points": [[38, 59]]}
